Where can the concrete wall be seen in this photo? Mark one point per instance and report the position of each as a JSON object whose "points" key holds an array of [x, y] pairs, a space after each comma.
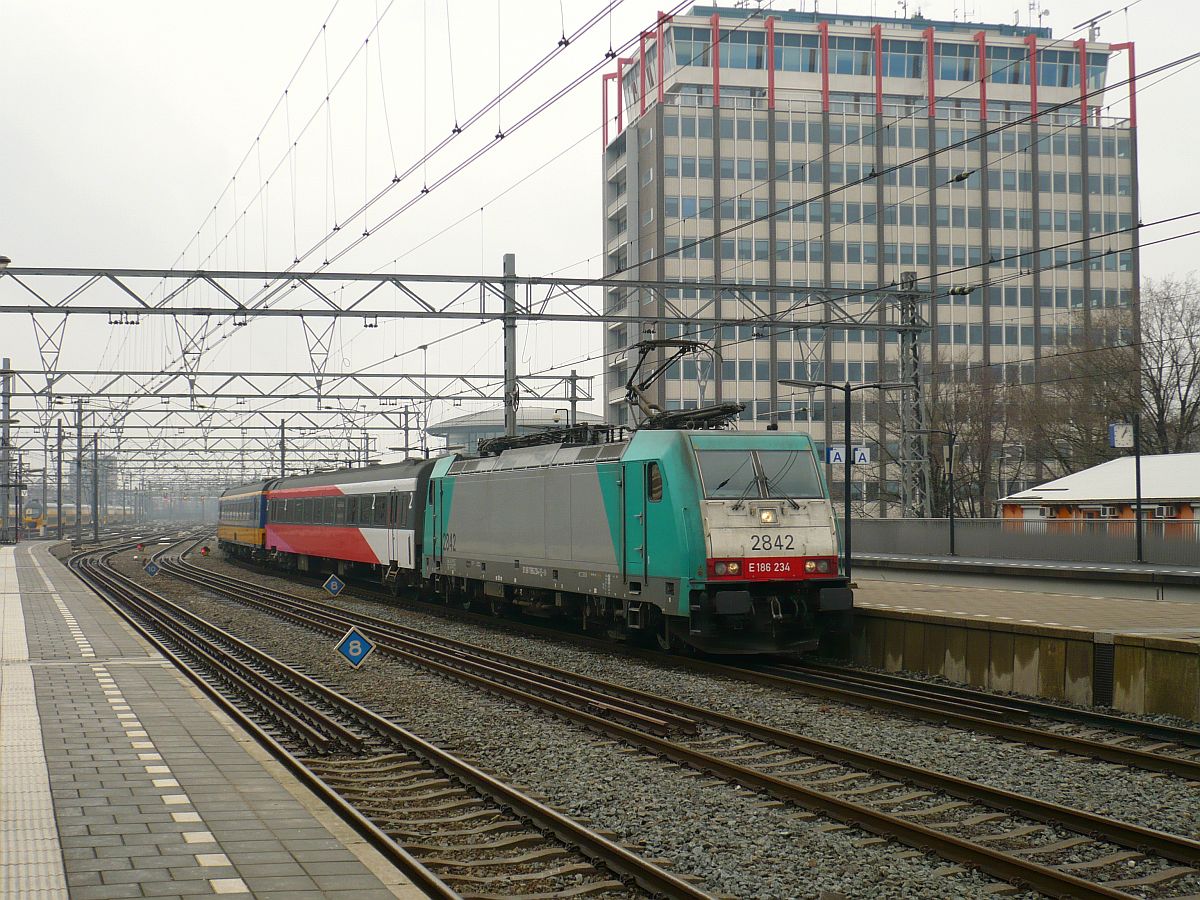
{"points": [[1149, 675]]}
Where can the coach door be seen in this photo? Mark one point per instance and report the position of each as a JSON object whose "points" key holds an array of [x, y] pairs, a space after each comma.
{"points": [[395, 538]]}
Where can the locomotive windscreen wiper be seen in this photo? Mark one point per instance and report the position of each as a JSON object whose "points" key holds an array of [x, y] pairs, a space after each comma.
{"points": [[771, 482]]}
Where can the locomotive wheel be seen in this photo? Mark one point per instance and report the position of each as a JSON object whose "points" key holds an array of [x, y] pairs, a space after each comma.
{"points": [[496, 606]]}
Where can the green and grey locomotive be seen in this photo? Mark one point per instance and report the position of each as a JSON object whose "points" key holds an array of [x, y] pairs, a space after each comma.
{"points": [[721, 541]]}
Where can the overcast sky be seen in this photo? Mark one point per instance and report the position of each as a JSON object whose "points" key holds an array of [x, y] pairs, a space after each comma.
{"points": [[123, 124]]}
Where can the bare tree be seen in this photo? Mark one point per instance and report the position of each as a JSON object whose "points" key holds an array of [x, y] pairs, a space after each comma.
{"points": [[1169, 348], [1078, 393], [990, 429]]}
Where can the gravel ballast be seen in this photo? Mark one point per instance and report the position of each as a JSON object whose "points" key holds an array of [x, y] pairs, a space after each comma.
{"points": [[1144, 798]]}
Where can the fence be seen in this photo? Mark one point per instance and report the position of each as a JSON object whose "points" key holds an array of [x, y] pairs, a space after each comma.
{"points": [[1164, 541]]}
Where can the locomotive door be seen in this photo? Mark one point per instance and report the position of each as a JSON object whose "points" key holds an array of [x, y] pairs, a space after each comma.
{"points": [[633, 520]]}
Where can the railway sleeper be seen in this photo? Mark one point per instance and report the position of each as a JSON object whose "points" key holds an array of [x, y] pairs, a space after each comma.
{"points": [[1056, 847], [435, 808], [528, 839], [558, 872], [493, 828], [581, 890], [1012, 834], [521, 860], [1158, 877], [1100, 862], [472, 816], [398, 790]]}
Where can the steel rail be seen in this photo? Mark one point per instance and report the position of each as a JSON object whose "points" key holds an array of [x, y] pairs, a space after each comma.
{"points": [[590, 844], [1150, 730], [1002, 865]]}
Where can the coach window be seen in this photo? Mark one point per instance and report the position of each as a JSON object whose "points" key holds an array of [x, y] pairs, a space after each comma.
{"points": [[339, 511], [380, 510], [654, 487], [330, 511]]}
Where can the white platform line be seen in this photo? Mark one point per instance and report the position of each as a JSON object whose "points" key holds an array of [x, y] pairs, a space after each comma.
{"points": [[31, 861]]}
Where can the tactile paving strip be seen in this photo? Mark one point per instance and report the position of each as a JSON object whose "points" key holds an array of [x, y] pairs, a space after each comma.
{"points": [[31, 861]]}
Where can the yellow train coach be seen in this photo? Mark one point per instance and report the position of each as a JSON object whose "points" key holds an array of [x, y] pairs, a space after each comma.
{"points": [[242, 515]]}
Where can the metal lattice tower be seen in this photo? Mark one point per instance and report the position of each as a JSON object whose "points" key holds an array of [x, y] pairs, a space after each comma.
{"points": [[914, 447]]}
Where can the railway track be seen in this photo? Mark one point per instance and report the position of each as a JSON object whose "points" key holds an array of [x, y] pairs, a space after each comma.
{"points": [[1055, 849], [1151, 737], [1110, 738], [456, 830]]}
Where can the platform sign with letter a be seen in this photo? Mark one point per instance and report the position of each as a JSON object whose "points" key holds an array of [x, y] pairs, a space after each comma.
{"points": [[334, 585], [859, 456], [354, 647]]}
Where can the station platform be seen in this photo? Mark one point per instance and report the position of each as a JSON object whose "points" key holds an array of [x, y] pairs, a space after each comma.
{"points": [[119, 778], [1130, 645], [1128, 573]]}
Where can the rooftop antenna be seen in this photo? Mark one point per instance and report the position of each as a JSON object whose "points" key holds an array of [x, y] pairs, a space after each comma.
{"points": [[1093, 26], [903, 4]]}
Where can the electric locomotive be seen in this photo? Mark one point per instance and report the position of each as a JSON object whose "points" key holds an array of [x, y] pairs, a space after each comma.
{"points": [[716, 540]]}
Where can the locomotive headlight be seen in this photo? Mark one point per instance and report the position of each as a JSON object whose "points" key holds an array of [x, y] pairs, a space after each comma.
{"points": [[766, 516], [822, 565], [733, 568], [810, 565], [720, 568]]}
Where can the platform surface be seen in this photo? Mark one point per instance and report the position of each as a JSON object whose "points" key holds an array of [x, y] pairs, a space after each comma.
{"points": [[1063, 568], [940, 594], [119, 778]]}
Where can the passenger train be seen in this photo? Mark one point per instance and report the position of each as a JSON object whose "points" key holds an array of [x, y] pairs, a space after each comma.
{"points": [[717, 541]]}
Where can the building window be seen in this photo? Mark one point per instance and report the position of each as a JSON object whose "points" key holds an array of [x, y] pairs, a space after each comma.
{"points": [[903, 59], [798, 53]]}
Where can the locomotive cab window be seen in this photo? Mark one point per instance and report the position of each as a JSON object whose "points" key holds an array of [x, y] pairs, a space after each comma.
{"points": [[727, 474], [789, 473], [654, 482], [745, 474]]}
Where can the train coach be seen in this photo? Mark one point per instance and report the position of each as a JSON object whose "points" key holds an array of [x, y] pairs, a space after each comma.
{"points": [[720, 541], [355, 521], [242, 519]]}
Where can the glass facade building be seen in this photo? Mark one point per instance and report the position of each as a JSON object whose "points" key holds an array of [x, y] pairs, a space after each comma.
{"points": [[823, 150]]}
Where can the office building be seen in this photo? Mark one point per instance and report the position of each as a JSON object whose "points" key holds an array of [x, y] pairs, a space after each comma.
{"points": [[838, 151]]}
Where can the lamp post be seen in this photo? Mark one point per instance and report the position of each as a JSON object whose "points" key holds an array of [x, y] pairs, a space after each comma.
{"points": [[848, 454], [951, 437]]}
